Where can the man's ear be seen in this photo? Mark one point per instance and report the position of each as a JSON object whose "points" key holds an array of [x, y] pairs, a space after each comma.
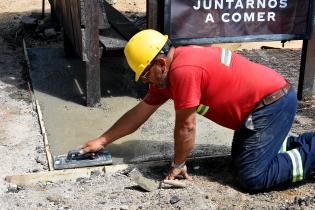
{"points": [[161, 61]]}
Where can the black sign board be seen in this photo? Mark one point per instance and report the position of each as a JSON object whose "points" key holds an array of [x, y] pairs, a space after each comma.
{"points": [[213, 21]]}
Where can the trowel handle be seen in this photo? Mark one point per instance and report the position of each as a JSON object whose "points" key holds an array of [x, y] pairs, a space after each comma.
{"points": [[175, 183]]}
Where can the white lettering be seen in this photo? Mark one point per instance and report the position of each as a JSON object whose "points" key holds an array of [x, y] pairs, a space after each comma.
{"points": [[239, 4], [209, 18], [261, 4], [272, 4], [260, 16], [271, 16], [229, 3], [197, 7], [218, 4], [283, 3], [207, 6], [250, 3], [236, 17], [249, 17], [223, 17]]}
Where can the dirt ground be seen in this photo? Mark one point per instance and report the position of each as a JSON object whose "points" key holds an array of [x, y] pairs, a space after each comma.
{"points": [[22, 150]]}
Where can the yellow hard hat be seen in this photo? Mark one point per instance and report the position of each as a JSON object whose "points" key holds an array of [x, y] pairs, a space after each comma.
{"points": [[142, 48]]}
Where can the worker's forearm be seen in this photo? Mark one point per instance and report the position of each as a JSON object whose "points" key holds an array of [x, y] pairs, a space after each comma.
{"points": [[184, 140], [128, 123], [124, 126]]}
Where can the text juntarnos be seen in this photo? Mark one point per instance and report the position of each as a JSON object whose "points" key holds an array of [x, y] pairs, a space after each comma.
{"points": [[249, 9]]}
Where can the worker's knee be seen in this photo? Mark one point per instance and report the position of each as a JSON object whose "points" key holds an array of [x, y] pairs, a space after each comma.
{"points": [[251, 183]]}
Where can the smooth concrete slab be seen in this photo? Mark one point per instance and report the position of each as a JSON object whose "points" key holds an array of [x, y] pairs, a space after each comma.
{"points": [[58, 87]]}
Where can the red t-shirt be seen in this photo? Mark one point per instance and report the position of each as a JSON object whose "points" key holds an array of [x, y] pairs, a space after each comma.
{"points": [[222, 85]]}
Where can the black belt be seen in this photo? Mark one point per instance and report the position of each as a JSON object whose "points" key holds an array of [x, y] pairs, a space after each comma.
{"points": [[273, 97]]}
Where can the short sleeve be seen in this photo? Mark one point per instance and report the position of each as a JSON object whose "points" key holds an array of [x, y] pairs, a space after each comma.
{"points": [[155, 96], [186, 86]]}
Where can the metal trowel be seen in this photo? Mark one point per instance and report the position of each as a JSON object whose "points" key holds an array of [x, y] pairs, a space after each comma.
{"points": [[74, 159], [151, 185]]}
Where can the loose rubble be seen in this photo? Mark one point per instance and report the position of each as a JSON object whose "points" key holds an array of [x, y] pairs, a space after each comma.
{"points": [[22, 150]]}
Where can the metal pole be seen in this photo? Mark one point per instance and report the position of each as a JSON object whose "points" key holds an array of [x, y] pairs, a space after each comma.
{"points": [[43, 9]]}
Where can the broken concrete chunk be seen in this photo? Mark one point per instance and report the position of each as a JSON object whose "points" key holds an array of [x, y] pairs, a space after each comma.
{"points": [[112, 2], [174, 199], [50, 32], [35, 170], [56, 199], [13, 188], [29, 21], [133, 173], [41, 160], [95, 173]]}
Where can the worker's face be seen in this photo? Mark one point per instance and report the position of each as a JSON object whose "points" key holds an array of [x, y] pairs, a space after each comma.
{"points": [[156, 73]]}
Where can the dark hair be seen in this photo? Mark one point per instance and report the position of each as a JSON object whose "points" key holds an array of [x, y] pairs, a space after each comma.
{"points": [[167, 46]]}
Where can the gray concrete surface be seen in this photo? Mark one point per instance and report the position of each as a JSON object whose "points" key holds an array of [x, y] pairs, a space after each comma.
{"points": [[69, 123]]}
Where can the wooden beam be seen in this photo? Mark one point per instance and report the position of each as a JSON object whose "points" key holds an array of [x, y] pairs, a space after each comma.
{"points": [[155, 15], [73, 174], [91, 52], [36, 107], [43, 9], [119, 22], [307, 70], [54, 176]]}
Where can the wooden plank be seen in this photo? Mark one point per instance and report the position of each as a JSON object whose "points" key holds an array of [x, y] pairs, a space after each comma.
{"points": [[58, 10], [54, 176], [44, 134], [36, 107], [307, 70], [119, 22], [43, 8], [77, 26], [73, 174], [82, 15], [74, 21], [68, 24], [112, 40], [155, 14], [92, 53]]}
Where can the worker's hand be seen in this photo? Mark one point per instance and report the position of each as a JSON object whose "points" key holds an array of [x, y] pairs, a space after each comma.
{"points": [[174, 172], [92, 146]]}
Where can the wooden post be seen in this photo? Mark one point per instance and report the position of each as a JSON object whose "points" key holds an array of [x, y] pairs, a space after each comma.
{"points": [[91, 52], [43, 9], [307, 70], [155, 14]]}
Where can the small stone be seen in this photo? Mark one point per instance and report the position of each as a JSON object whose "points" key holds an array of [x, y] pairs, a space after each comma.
{"points": [[111, 2], [40, 160], [196, 167], [124, 208], [39, 149], [307, 201], [50, 32], [95, 173], [28, 21], [14, 188], [80, 179], [35, 170], [67, 207], [174, 199], [56, 199]]}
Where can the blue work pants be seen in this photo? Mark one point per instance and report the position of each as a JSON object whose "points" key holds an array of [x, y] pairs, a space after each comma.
{"points": [[264, 155]]}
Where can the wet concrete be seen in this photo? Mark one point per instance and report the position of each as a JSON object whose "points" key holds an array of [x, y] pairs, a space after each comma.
{"points": [[58, 86]]}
